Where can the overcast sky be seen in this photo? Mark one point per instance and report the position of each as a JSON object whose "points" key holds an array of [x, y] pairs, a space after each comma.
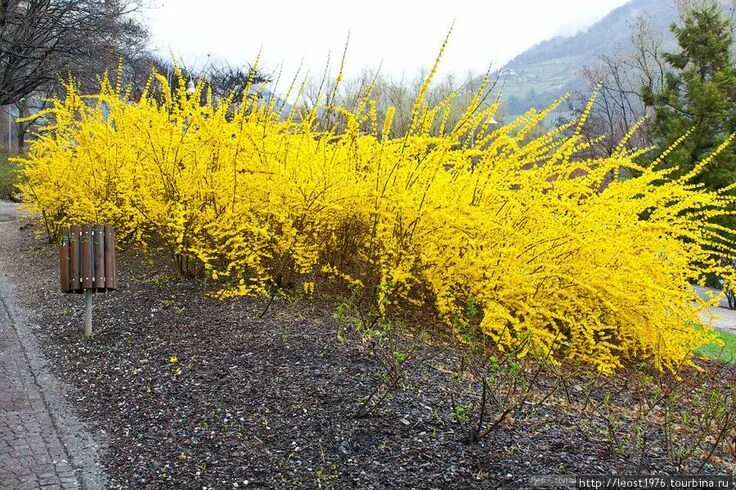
{"points": [[403, 34]]}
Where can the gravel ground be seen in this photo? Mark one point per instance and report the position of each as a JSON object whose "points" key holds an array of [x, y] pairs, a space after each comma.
{"points": [[42, 443], [191, 392]]}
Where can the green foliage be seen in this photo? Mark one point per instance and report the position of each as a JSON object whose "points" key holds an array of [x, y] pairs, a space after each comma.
{"points": [[725, 352], [493, 388], [698, 95], [8, 175], [385, 343], [692, 415]]}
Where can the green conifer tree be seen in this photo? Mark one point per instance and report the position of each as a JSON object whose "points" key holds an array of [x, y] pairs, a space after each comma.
{"points": [[699, 94]]}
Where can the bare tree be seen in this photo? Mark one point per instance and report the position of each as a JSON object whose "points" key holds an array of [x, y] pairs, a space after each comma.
{"points": [[620, 79], [223, 80], [42, 40], [397, 92], [228, 80]]}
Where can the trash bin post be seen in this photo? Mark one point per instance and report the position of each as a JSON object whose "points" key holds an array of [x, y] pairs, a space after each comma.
{"points": [[87, 312], [87, 264]]}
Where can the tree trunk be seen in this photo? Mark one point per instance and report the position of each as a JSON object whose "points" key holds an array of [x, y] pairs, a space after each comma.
{"points": [[22, 128]]}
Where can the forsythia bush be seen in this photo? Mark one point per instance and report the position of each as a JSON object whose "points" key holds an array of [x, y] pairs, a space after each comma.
{"points": [[503, 235]]}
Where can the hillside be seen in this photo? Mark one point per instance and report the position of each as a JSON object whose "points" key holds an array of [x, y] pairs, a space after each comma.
{"points": [[551, 68]]}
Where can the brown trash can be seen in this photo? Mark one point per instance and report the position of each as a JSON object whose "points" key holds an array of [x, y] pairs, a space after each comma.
{"points": [[87, 258]]}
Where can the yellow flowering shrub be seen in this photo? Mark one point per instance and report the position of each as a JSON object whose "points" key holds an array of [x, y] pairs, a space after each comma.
{"points": [[502, 234]]}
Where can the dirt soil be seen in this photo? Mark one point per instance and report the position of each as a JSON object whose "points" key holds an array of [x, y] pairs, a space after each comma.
{"points": [[191, 392]]}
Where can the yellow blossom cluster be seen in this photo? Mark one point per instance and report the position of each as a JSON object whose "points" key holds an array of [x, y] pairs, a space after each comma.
{"points": [[501, 234]]}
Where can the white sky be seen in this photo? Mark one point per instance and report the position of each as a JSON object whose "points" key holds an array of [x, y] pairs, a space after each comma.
{"points": [[403, 34]]}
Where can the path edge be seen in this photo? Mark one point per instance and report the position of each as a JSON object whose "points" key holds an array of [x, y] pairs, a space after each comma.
{"points": [[81, 448]]}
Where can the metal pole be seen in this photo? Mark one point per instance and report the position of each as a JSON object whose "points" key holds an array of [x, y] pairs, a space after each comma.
{"points": [[88, 312]]}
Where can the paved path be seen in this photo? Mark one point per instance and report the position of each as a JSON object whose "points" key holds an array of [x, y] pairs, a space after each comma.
{"points": [[723, 317], [8, 211], [31, 452], [42, 445]]}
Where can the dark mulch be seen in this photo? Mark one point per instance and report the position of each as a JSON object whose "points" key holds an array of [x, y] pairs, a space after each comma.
{"points": [[268, 402]]}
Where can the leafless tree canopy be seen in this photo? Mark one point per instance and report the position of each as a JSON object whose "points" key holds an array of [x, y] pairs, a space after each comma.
{"points": [[42, 40], [222, 79], [619, 79]]}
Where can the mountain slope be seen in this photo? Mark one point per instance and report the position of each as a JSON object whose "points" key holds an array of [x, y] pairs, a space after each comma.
{"points": [[544, 72]]}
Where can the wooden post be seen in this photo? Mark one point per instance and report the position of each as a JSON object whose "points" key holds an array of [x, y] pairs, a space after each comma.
{"points": [[98, 232], [64, 261], [75, 266], [109, 258], [87, 257]]}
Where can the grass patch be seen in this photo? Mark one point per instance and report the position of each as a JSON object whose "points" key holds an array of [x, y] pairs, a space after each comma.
{"points": [[8, 174], [713, 351]]}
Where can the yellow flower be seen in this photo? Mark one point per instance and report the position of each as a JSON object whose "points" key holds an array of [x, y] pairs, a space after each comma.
{"points": [[502, 231]]}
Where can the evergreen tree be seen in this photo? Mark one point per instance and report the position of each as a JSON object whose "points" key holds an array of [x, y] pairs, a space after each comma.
{"points": [[699, 94]]}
